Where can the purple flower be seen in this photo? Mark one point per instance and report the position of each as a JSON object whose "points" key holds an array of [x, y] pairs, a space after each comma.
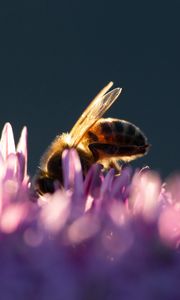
{"points": [[13, 180], [104, 237]]}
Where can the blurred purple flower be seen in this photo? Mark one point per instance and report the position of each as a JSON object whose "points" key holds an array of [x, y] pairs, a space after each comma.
{"points": [[13, 180], [105, 237]]}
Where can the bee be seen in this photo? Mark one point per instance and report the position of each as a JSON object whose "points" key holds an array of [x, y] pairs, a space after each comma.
{"points": [[97, 140]]}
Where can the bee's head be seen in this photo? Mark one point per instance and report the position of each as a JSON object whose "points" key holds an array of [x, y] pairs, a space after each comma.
{"points": [[43, 184], [47, 181]]}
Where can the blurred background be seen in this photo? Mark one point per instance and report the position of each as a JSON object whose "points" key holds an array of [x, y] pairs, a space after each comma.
{"points": [[56, 55]]}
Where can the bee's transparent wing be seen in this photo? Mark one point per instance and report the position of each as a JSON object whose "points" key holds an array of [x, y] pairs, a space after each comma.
{"points": [[93, 112]]}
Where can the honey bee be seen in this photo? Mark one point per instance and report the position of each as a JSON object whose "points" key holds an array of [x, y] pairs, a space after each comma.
{"points": [[104, 140]]}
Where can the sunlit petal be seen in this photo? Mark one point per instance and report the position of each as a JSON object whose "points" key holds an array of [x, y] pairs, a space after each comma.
{"points": [[22, 151], [54, 214], [144, 194], [12, 216], [83, 228], [7, 144]]}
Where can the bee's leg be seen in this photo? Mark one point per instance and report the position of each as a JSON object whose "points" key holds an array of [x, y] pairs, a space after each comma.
{"points": [[103, 153], [94, 151], [116, 165], [86, 161], [112, 152], [109, 155]]}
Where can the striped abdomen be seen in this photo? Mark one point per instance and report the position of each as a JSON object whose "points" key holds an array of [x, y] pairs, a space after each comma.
{"points": [[115, 138]]}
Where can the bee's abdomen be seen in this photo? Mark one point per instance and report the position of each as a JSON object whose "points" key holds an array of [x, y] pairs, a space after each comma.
{"points": [[109, 138], [114, 131]]}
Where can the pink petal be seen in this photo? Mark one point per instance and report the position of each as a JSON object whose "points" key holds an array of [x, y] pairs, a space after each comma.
{"points": [[169, 226], [67, 169], [82, 228], [72, 172], [11, 166], [22, 149], [145, 193], [54, 213], [7, 144], [73, 180], [1, 196], [106, 187], [93, 181], [78, 177], [20, 172], [12, 216], [2, 166], [105, 195], [121, 183]]}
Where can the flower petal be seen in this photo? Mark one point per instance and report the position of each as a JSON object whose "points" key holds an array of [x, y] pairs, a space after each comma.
{"points": [[55, 212], [72, 172], [145, 192], [12, 216], [7, 144], [120, 187], [106, 187], [11, 166], [78, 177], [22, 153], [93, 181]]}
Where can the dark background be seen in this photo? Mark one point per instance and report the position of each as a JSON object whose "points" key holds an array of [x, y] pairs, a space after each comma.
{"points": [[56, 55]]}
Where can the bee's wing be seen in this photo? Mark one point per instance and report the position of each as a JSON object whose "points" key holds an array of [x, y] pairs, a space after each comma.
{"points": [[93, 112]]}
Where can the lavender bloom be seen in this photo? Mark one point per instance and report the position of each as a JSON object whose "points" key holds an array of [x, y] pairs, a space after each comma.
{"points": [[13, 180], [106, 237]]}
